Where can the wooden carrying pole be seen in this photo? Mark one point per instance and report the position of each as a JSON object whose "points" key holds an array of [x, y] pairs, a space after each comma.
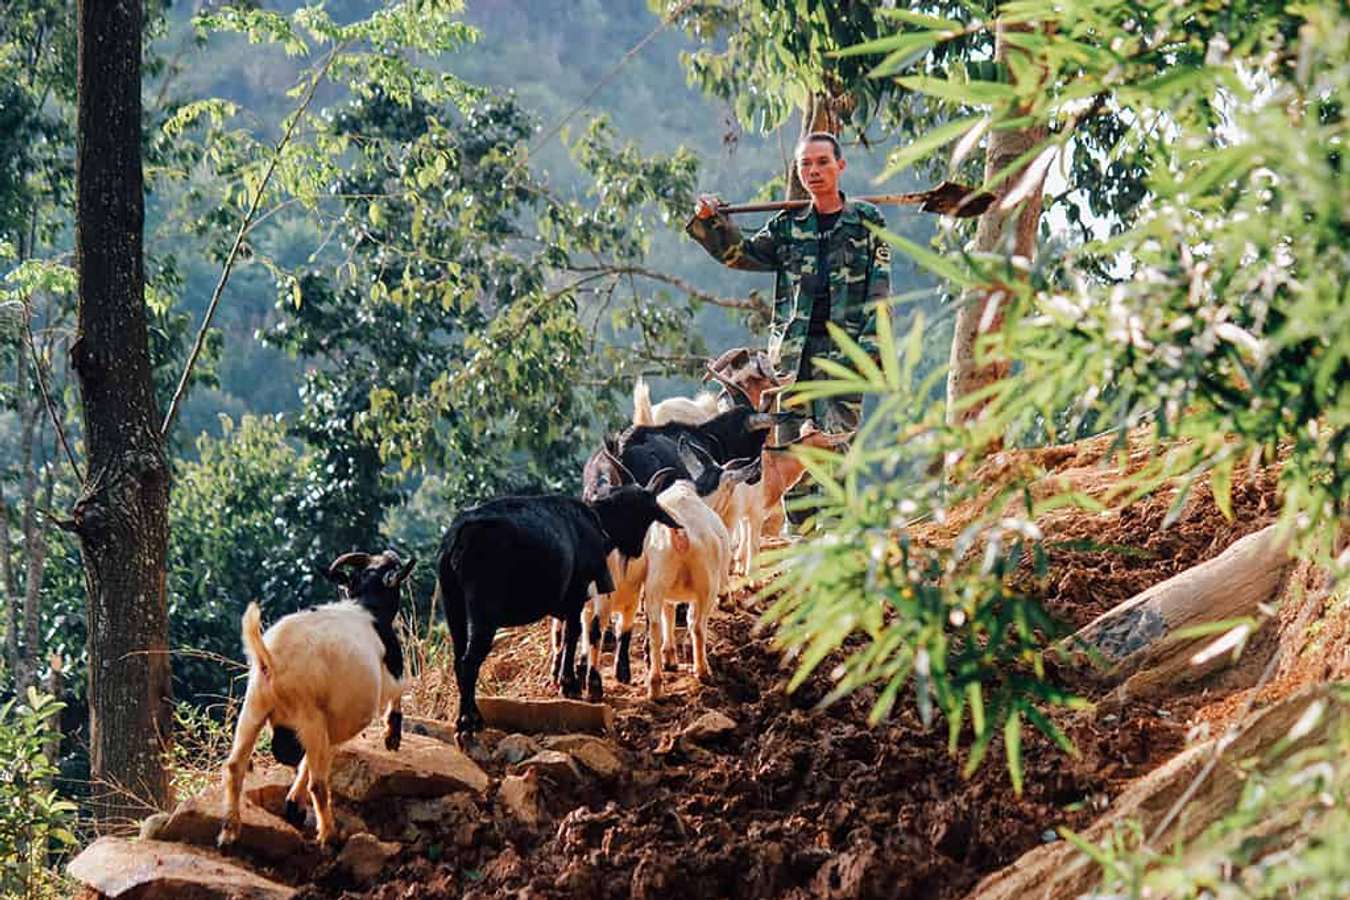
{"points": [[948, 199]]}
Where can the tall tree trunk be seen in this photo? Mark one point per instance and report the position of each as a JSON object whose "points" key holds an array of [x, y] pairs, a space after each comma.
{"points": [[821, 113], [28, 413], [35, 548], [982, 312], [122, 513], [10, 591]]}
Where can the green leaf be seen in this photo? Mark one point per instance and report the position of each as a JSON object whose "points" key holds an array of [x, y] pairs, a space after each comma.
{"points": [[1221, 485], [1012, 743], [921, 20], [970, 93], [921, 148], [931, 261]]}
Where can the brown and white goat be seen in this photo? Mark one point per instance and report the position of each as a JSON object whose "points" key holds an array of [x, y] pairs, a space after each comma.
{"points": [[319, 676], [759, 505]]}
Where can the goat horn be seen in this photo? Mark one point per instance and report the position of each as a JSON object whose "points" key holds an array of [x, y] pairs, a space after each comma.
{"points": [[663, 479], [350, 559], [618, 464]]}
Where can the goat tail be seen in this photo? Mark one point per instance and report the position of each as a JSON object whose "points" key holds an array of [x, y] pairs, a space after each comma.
{"points": [[642, 403], [253, 642]]}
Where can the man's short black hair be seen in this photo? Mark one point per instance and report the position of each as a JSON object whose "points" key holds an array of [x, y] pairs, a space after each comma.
{"points": [[821, 136]]}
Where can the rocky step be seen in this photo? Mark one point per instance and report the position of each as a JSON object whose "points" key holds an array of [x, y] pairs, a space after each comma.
{"points": [[427, 790]]}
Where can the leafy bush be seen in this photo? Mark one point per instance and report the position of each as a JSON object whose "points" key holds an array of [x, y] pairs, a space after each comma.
{"points": [[34, 821], [1218, 315]]}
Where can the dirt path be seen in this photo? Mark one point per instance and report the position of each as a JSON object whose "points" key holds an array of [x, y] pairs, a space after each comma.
{"points": [[798, 803]]}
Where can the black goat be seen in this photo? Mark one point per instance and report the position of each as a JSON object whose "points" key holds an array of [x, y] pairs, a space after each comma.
{"points": [[643, 450], [514, 560]]}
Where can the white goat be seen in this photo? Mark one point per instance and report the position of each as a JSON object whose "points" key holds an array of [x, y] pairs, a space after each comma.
{"points": [[630, 582], [688, 410], [689, 566], [320, 676]]}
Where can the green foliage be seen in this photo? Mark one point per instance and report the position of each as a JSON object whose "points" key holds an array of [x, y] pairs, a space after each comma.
{"points": [[1217, 316], [229, 542], [34, 820]]}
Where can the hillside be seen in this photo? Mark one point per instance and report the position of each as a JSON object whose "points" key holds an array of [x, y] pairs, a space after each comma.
{"points": [[737, 788]]}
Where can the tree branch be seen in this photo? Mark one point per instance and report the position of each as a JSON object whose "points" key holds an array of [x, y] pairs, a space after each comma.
{"points": [[239, 240], [46, 397], [750, 304]]}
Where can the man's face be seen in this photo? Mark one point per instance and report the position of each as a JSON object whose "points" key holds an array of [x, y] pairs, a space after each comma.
{"points": [[819, 170]]}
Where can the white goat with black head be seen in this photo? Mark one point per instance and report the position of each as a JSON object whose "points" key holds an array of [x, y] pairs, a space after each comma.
{"points": [[319, 676]]}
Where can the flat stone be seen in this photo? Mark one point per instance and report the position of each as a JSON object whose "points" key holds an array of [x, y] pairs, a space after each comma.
{"points": [[553, 764], [197, 821], [519, 796], [515, 747], [710, 726], [595, 754], [158, 870], [364, 770], [364, 856]]}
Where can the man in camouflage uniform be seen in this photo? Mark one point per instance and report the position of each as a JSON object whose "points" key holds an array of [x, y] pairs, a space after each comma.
{"points": [[829, 267]]}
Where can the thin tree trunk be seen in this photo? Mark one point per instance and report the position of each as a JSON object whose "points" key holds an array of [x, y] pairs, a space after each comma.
{"points": [[11, 591], [28, 413], [122, 513], [982, 312], [35, 545], [819, 114]]}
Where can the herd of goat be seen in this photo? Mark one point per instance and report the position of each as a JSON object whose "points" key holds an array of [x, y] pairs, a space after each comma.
{"points": [[671, 509]]}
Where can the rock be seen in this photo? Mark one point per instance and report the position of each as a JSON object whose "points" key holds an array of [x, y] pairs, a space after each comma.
{"points": [[364, 856], [515, 747], [519, 796], [156, 870], [596, 754], [197, 821], [546, 716], [440, 810], [553, 764], [268, 788], [709, 727], [423, 767], [441, 731]]}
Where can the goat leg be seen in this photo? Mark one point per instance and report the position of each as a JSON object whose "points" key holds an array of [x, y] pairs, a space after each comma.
{"points": [[571, 688], [595, 689], [251, 719], [393, 724]]}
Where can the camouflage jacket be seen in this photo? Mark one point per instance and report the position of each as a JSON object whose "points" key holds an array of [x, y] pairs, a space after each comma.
{"points": [[789, 246]]}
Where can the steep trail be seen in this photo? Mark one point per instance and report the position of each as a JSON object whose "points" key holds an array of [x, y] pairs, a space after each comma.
{"points": [[776, 798]]}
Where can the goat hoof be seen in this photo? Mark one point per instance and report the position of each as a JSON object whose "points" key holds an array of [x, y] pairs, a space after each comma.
{"points": [[595, 690], [228, 835], [669, 666], [294, 814], [623, 672], [393, 741], [571, 689]]}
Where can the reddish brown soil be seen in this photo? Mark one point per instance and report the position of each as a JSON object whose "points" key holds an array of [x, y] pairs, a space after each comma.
{"points": [[799, 803]]}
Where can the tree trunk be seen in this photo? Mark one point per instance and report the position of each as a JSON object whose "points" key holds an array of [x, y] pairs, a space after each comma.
{"points": [[122, 513], [9, 589], [35, 548], [982, 312], [821, 113], [1136, 639]]}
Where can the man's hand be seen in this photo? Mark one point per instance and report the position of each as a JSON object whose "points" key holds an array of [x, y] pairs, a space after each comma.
{"points": [[707, 206]]}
